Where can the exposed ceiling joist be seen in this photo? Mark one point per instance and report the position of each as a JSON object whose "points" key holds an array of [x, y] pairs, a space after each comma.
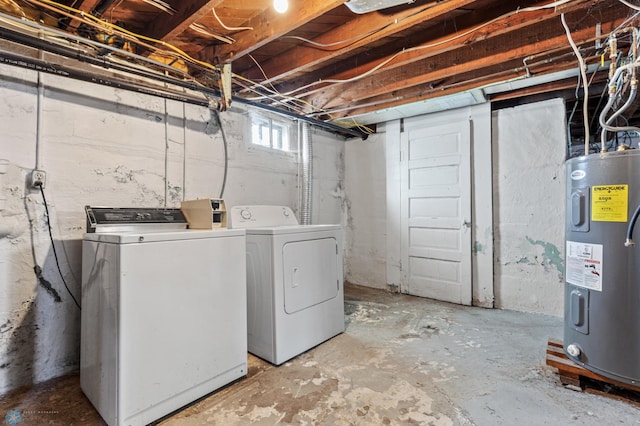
{"points": [[502, 49], [390, 57], [270, 25]]}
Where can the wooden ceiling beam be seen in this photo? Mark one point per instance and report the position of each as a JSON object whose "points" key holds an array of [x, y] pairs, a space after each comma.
{"points": [[167, 27], [486, 53], [422, 95], [304, 57], [85, 6], [463, 83], [362, 63], [271, 25]]}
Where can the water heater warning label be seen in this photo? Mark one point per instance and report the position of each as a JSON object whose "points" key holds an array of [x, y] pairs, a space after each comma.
{"points": [[609, 203], [584, 265]]}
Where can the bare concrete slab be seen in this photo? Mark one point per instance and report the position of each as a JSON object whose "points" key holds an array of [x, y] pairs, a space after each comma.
{"points": [[402, 360]]}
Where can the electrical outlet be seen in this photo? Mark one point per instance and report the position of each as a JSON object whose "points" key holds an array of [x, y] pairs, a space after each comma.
{"points": [[38, 179]]}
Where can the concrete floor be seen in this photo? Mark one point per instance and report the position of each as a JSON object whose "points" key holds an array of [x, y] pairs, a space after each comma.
{"points": [[402, 360]]}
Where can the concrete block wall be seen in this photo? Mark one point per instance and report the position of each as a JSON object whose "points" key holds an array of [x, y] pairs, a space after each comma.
{"points": [[103, 146]]}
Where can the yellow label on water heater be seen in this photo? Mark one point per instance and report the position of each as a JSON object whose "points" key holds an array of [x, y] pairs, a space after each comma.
{"points": [[609, 203]]}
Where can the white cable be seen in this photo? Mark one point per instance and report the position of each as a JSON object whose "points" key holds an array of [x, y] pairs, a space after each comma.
{"points": [[632, 6], [164, 6], [314, 43], [228, 28], [583, 72], [427, 46], [199, 28]]}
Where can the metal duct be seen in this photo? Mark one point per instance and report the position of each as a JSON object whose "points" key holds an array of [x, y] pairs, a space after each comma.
{"points": [[365, 6], [307, 173]]}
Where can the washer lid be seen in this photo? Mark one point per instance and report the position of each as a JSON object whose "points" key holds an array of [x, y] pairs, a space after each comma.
{"points": [[160, 236], [293, 229]]}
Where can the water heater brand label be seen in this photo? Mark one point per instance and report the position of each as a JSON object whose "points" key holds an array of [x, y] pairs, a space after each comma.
{"points": [[578, 174], [584, 265], [609, 203]]}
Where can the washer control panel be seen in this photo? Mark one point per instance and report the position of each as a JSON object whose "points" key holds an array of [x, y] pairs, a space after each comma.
{"points": [[261, 216]]}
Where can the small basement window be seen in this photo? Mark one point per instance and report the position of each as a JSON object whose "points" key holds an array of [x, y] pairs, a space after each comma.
{"points": [[272, 132]]}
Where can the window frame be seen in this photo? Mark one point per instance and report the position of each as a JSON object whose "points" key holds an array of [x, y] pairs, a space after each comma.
{"points": [[283, 125]]}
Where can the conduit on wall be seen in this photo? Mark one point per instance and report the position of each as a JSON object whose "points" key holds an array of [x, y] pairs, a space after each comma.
{"points": [[3, 169], [306, 148]]}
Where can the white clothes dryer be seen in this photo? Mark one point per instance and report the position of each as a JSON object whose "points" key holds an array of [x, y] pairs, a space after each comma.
{"points": [[295, 294]]}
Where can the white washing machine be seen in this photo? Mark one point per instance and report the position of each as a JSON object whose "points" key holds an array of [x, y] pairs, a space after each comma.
{"points": [[295, 294], [163, 312]]}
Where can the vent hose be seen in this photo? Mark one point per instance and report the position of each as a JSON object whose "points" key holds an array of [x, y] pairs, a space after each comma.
{"points": [[307, 174]]}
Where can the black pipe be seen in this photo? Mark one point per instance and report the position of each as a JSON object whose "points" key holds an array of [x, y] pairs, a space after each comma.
{"points": [[42, 66], [632, 225], [104, 62]]}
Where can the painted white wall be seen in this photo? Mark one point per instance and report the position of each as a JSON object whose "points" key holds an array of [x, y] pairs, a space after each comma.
{"points": [[373, 192], [329, 204], [529, 187], [102, 146], [518, 200], [365, 184], [479, 117]]}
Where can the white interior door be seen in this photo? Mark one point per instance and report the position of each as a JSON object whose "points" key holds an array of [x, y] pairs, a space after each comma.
{"points": [[436, 212]]}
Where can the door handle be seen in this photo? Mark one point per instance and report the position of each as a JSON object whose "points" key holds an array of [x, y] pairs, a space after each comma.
{"points": [[466, 224]]}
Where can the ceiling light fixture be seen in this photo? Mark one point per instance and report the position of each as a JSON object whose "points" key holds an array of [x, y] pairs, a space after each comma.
{"points": [[280, 6]]}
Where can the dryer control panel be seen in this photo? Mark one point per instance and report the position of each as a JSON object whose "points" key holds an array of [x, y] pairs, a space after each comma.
{"points": [[261, 216]]}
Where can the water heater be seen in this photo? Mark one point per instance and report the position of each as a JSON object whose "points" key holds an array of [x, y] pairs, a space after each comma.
{"points": [[602, 278]]}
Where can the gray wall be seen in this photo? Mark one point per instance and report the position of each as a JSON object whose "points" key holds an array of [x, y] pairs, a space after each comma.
{"points": [[101, 146]]}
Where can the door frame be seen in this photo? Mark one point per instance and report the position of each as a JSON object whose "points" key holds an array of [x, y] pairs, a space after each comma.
{"points": [[482, 258]]}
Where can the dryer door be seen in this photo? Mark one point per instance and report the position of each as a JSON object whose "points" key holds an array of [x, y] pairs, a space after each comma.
{"points": [[310, 270]]}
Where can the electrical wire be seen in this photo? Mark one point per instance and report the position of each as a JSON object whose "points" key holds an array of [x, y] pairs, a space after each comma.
{"points": [[632, 6], [202, 29], [53, 247], [583, 73], [396, 21], [57, 34], [423, 47], [164, 6], [360, 36], [129, 35], [123, 32], [337, 43], [213, 10], [263, 73], [226, 155], [419, 94]]}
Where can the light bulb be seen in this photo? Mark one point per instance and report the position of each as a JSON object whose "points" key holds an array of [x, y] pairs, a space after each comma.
{"points": [[280, 6]]}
